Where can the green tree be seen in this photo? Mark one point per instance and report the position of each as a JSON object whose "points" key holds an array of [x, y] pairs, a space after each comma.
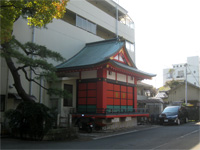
{"points": [[172, 84], [37, 12], [29, 55]]}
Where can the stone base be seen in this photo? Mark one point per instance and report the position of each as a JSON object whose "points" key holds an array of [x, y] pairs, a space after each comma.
{"points": [[116, 123]]}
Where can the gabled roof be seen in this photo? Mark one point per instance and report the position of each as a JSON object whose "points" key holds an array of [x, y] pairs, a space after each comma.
{"points": [[102, 52], [151, 100], [183, 84], [94, 53], [162, 95], [132, 69]]}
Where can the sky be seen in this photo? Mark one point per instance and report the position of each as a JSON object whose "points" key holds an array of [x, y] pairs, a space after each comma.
{"points": [[166, 33]]}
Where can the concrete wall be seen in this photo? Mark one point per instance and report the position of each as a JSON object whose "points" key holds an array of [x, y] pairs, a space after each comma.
{"points": [[120, 77], [92, 13], [194, 70], [112, 75], [117, 123], [88, 74]]}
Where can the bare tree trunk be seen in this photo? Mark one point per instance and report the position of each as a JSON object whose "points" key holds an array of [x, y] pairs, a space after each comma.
{"points": [[17, 80]]}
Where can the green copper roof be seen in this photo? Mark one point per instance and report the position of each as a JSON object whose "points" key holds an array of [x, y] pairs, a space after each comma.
{"points": [[132, 69], [93, 53], [97, 53]]}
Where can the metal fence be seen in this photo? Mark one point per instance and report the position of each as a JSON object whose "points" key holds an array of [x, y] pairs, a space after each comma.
{"points": [[193, 112], [107, 111]]}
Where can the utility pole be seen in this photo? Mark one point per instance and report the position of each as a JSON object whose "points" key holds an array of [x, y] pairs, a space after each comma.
{"points": [[186, 84], [117, 20], [31, 72]]}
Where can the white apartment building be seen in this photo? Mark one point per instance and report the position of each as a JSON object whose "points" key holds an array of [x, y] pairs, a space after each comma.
{"points": [[85, 21], [178, 71]]}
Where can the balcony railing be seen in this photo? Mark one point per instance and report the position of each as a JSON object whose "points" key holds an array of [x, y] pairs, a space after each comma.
{"points": [[108, 111]]}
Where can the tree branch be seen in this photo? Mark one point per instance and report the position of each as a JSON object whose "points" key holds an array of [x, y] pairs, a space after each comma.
{"points": [[22, 47], [34, 71], [3, 6], [22, 67], [32, 80]]}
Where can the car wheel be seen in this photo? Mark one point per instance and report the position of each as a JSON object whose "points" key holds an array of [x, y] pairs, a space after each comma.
{"points": [[178, 122]]}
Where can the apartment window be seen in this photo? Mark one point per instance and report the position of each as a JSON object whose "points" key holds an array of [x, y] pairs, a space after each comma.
{"points": [[129, 46], [170, 75], [85, 24], [69, 95], [180, 74]]}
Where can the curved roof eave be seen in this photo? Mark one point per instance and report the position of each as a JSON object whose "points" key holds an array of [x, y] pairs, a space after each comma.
{"points": [[132, 69]]}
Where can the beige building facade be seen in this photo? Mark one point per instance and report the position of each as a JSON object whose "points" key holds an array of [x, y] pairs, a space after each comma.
{"points": [[85, 21], [177, 95]]}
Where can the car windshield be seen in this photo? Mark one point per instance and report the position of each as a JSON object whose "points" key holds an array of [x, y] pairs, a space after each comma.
{"points": [[171, 110]]}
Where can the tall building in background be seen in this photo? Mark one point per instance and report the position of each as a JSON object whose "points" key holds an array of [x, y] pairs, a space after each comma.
{"points": [[85, 21], [178, 71]]}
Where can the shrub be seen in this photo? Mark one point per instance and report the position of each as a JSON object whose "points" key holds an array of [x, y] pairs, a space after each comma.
{"points": [[30, 120]]}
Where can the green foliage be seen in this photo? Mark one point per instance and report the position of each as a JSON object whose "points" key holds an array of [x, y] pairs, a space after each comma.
{"points": [[32, 120], [164, 88], [29, 56], [171, 71], [172, 84], [35, 57], [59, 92], [37, 12]]}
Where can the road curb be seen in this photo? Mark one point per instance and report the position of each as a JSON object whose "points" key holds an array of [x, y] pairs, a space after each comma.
{"points": [[125, 132]]}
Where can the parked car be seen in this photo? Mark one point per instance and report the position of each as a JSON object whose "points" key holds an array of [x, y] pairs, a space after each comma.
{"points": [[174, 115]]}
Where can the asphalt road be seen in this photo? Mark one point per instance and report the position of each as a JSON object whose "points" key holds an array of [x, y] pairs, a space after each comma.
{"points": [[185, 136]]}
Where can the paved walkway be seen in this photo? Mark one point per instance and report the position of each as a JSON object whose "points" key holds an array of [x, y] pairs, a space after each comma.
{"points": [[109, 133]]}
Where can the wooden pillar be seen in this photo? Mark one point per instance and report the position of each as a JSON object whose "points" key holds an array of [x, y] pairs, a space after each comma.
{"points": [[101, 90], [101, 96], [135, 93]]}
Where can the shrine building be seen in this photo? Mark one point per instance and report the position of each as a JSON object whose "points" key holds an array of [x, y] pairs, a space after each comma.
{"points": [[102, 79]]}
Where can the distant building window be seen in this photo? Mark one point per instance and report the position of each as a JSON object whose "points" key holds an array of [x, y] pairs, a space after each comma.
{"points": [[85, 24], [2, 100], [194, 72], [180, 74], [170, 75], [69, 95], [130, 46]]}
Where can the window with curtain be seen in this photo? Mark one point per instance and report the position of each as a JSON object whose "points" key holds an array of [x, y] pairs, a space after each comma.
{"points": [[85, 24]]}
